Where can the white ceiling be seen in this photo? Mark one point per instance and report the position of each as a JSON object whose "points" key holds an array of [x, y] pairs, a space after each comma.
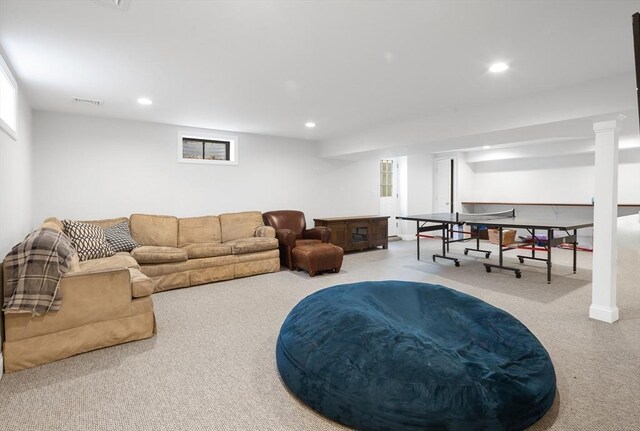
{"points": [[268, 67]]}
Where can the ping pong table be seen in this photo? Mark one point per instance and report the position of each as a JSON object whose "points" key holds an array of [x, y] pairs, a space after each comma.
{"points": [[505, 219]]}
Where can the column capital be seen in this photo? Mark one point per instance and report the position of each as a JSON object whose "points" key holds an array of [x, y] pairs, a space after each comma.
{"points": [[608, 123]]}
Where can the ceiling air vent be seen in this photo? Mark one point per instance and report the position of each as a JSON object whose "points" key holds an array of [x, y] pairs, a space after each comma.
{"points": [[87, 101], [118, 4]]}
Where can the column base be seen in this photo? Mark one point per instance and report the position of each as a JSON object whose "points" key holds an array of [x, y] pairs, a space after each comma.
{"points": [[605, 314]]}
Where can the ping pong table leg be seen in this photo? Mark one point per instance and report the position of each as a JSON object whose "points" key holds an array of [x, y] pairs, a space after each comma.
{"points": [[418, 238], [488, 266], [522, 258], [487, 253], [533, 248], [575, 249], [448, 233], [549, 241], [500, 243], [445, 246]]}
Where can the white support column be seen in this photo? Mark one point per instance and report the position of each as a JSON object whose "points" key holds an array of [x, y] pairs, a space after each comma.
{"points": [[605, 218]]}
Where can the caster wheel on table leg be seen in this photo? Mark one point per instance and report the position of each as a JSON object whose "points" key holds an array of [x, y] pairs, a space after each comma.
{"points": [[521, 260], [457, 263], [487, 255], [518, 275], [466, 252], [488, 268], [434, 258]]}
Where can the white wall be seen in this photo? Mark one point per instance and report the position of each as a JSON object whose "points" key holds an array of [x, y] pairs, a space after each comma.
{"points": [[15, 180], [419, 181], [464, 181], [564, 178], [89, 167], [560, 179], [15, 184]]}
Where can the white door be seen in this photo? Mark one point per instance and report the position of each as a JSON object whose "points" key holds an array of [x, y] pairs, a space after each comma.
{"points": [[443, 186], [389, 192]]}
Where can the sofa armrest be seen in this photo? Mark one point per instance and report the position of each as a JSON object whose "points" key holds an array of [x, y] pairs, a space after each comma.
{"points": [[265, 232], [286, 242], [113, 284], [87, 297], [322, 233], [286, 237]]}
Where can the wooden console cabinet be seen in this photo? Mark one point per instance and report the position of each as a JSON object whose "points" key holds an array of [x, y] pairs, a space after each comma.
{"points": [[357, 233]]}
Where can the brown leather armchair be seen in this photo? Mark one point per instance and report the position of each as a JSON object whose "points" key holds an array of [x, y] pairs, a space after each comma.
{"points": [[291, 230]]}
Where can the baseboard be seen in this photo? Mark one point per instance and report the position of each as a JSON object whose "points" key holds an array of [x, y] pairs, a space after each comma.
{"points": [[411, 237], [1, 366], [606, 314]]}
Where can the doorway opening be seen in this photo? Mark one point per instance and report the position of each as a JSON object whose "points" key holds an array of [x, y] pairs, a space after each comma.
{"points": [[444, 185], [390, 192]]}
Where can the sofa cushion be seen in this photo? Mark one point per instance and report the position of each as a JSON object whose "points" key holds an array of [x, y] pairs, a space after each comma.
{"points": [[106, 222], [161, 269], [158, 254], [118, 260], [196, 230], [154, 230], [141, 285], [240, 225], [88, 240], [197, 251], [119, 237], [53, 223], [252, 245]]}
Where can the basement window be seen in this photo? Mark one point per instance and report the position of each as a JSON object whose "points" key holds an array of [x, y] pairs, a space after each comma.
{"points": [[8, 100], [208, 149]]}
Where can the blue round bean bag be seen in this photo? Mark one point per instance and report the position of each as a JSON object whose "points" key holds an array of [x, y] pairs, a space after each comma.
{"points": [[395, 355]]}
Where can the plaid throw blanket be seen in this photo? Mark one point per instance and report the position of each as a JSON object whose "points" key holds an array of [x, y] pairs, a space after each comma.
{"points": [[33, 270]]}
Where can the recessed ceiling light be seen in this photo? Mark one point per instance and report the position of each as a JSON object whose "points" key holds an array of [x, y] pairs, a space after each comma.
{"points": [[498, 67], [486, 147], [145, 101], [309, 124]]}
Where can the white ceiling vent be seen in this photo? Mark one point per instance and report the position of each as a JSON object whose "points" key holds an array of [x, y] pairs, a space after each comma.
{"points": [[87, 101], [118, 4]]}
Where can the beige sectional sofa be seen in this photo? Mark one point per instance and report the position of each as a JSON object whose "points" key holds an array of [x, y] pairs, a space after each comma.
{"points": [[107, 301], [180, 252]]}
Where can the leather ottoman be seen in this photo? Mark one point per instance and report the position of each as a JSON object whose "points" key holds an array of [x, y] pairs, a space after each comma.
{"points": [[314, 258]]}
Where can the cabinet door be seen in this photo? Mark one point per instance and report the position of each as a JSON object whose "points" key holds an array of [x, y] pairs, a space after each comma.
{"points": [[338, 234], [380, 232], [358, 235]]}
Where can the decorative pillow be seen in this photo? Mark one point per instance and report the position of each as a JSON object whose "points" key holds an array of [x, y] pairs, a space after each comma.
{"points": [[88, 240], [119, 237]]}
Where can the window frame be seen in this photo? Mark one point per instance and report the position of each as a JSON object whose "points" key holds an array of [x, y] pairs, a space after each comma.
{"points": [[387, 174], [233, 147], [7, 128]]}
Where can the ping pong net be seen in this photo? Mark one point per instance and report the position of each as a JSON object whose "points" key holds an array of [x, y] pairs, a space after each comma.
{"points": [[474, 217]]}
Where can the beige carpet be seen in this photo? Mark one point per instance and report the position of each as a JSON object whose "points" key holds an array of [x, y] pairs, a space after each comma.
{"points": [[211, 366]]}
